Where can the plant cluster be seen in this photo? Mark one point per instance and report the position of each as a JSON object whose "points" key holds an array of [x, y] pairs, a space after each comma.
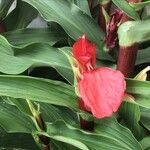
{"points": [[80, 82]]}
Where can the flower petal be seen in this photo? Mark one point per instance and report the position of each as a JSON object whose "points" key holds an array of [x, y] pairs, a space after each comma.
{"points": [[102, 90]]}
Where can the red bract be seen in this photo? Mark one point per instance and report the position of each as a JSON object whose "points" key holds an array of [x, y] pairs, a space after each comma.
{"points": [[111, 29], [102, 91], [85, 53]]}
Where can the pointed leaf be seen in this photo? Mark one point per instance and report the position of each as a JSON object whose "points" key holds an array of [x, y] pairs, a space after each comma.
{"points": [[124, 6], [24, 37], [74, 21], [12, 120], [130, 113], [119, 137], [140, 90], [4, 7], [16, 60], [37, 89], [20, 17]]}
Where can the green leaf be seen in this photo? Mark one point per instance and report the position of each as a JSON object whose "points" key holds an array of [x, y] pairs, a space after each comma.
{"points": [[83, 5], [74, 21], [4, 7], [57, 145], [22, 105], [103, 1], [140, 90], [16, 141], [24, 37], [38, 89], [20, 17], [145, 117], [130, 113], [124, 6], [140, 5], [143, 56], [145, 143], [16, 60], [51, 113], [108, 135], [138, 87], [12, 120]]}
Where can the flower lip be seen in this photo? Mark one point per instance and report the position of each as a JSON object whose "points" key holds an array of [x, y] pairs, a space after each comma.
{"points": [[102, 91]]}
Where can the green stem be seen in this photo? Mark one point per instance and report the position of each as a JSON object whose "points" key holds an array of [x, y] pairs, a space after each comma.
{"points": [[45, 147], [40, 124], [90, 2]]}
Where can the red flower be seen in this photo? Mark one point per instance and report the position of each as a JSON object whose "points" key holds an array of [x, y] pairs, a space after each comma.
{"points": [[85, 53], [102, 91]]}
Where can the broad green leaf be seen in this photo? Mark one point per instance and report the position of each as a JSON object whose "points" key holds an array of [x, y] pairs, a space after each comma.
{"points": [[4, 7], [51, 113], [16, 60], [138, 87], [57, 145], [132, 32], [143, 100], [21, 16], [145, 117], [143, 56], [140, 5], [12, 120], [38, 89], [104, 1], [111, 128], [74, 21], [124, 6], [16, 141], [140, 90], [145, 143], [22, 105], [130, 113], [108, 135], [83, 5], [24, 37]]}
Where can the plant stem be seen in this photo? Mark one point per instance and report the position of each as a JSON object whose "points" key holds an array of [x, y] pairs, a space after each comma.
{"points": [[2, 27], [85, 124], [127, 54], [40, 124], [90, 2], [101, 18], [44, 140], [45, 147], [126, 59]]}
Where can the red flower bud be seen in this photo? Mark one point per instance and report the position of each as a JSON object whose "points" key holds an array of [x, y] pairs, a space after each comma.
{"points": [[111, 29], [102, 91], [85, 53]]}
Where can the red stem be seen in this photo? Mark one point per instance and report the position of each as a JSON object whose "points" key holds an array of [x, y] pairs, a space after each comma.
{"points": [[127, 55], [126, 59], [84, 124], [2, 27]]}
